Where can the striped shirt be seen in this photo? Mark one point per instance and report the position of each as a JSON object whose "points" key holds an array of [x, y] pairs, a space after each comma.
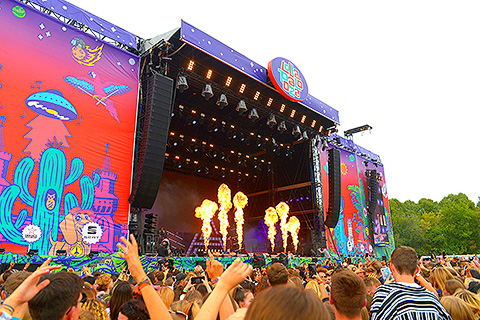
{"points": [[406, 302]]}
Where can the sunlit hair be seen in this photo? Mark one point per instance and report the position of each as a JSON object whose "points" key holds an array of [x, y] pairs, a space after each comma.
{"points": [[97, 307], [453, 285], [471, 299], [284, 302], [167, 295], [457, 308], [296, 282], [438, 277], [314, 287]]}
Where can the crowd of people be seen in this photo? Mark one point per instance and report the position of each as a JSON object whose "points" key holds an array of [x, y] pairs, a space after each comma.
{"points": [[405, 287]]}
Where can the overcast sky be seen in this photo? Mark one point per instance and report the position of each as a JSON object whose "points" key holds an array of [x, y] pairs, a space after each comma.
{"points": [[410, 69]]}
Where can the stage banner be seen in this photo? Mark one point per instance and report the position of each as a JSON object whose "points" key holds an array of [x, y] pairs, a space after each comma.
{"points": [[67, 119], [352, 235]]}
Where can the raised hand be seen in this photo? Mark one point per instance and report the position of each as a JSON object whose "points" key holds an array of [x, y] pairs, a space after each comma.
{"points": [[129, 252], [236, 273], [214, 267]]}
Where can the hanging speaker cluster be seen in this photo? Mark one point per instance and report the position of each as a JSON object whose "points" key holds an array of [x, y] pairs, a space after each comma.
{"points": [[334, 188], [372, 187]]}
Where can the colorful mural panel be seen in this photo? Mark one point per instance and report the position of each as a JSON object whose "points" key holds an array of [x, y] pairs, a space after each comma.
{"points": [[353, 234], [67, 120]]}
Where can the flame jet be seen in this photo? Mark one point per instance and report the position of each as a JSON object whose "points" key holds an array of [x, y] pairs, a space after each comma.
{"points": [[293, 226], [282, 210], [240, 201], [225, 201], [206, 212], [271, 218]]}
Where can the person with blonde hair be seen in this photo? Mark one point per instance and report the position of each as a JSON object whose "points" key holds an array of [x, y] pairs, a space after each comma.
{"points": [[97, 307], [457, 308], [313, 286], [471, 299], [438, 277], [451, 286], [167, 295]]}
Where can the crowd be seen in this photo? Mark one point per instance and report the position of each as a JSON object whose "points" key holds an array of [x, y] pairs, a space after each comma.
{"points": [[405, 287]]}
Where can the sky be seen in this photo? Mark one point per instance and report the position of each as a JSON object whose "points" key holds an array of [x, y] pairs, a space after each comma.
{"points": [[409, 69]]}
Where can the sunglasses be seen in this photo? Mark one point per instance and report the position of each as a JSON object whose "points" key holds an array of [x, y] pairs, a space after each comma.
{"points": [[180, 313]]}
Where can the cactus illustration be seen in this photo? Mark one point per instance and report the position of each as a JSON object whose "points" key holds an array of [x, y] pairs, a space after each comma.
{"points": [[47, 202]]}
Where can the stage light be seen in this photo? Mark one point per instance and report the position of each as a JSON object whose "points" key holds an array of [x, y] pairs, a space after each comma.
{"points": [[209, 74], [93, 254], [257, 94], [320, 129], [207, 170], [61, 252], [190, 65], [269, 103], [271, 122], [241, 107], [292, 114], [313, 123], [222, 101], [2, 250], [296, 132], [182, 83], [282, 127], [242, 88], [229, 80], [304, 117], [207, 91], [304, 135], [324, 144], [282, 108], [253, 114]]}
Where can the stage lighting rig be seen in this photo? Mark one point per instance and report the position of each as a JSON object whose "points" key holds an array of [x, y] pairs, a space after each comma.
{"points": [[61, 252], [182, 83], [222, 101], [253, 115], [207, 91], [271, 122], [2, 250], [32, 252], [349, 133], [282, 127], [296, 132], [242, 107]]}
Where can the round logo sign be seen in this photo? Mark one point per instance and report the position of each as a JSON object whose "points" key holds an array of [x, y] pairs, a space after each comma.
{"points": [[287, 79], [91, 232], [31, 233]]}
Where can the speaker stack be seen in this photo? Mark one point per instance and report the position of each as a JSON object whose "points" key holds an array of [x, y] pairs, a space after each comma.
{"points": [[334, 188], [372, 186]]}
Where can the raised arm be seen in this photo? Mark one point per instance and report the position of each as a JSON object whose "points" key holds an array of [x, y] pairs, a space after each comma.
{"points": [[155, 306]]}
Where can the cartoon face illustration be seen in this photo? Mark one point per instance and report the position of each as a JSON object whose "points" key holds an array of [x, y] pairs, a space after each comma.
{"points": [[78, 53], [50, 199]]}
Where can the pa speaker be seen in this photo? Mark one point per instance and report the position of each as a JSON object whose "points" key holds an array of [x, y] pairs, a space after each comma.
{"points": [[258, 260], [334, 188], [152, 135], [372, 187]]}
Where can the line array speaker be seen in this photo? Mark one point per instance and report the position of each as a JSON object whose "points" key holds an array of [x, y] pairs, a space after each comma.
{"points": [[334, 188], [152, 132], [372, 187]]}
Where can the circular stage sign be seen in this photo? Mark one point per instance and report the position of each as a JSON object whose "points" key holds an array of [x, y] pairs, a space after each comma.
{"points": [[31, 233], [287, 79], [91, 232]]}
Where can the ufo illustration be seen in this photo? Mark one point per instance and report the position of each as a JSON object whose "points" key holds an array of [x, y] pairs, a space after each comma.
{"points": [[52, 104]]}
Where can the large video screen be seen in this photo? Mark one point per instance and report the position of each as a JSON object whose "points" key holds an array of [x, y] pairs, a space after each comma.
{"points": [[67, 119]]}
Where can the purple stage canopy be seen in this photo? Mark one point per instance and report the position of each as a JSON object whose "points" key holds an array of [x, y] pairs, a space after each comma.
{"points": [[222, 52], [97, 24]]}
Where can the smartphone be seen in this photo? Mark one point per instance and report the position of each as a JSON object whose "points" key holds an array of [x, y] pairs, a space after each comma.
{"points": [[312, 269], [385, 272], [196, 280]]}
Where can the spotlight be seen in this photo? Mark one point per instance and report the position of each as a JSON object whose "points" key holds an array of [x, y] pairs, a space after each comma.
{"points": [[296, 132], [304, 135], [207, 92], [241, 107], [93, 254], [222, 101], [324, 144], [253, 114], [271, 122], [2, 250], [61, 252], [182, 84], [282, 127]]}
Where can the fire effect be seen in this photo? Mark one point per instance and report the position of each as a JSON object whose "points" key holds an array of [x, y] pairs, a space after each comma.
{"points": [[206, 212], [282, 210], [293, 226], [240, 200], [224, 199], [271, 218]]}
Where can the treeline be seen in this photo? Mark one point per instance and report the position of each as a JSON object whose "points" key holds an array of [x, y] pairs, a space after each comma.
{"points": [[451, 225]]}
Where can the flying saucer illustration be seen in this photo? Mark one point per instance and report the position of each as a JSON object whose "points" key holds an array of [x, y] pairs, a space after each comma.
{"points": [[52, 104]]}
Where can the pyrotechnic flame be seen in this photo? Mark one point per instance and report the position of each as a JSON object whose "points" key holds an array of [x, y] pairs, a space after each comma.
{"points": [[224, 199], [206, 212], [293, 227], [282, 210], [240, 200], [271, 218]]}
